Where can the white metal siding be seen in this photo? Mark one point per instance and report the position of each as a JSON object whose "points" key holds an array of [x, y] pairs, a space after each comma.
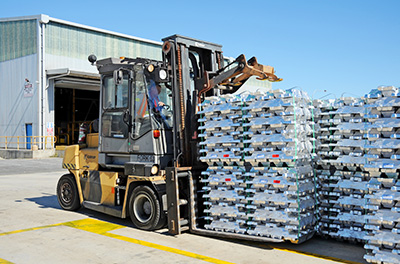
{"points": [[15, 109], [60, 62]]}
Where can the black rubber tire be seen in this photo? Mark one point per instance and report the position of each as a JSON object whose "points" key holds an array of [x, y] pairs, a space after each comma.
{"points": [[67, 193], [145, 209]]}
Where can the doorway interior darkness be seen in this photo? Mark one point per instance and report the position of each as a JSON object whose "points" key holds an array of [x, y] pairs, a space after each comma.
{"points": [[72, 108]]}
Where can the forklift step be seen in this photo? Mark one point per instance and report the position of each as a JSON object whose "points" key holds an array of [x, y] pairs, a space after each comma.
{"points": [[115, 166], [177, 216], [111, 210]]}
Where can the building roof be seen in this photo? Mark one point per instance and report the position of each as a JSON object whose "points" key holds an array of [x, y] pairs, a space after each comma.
{"points": [[46, 19]]}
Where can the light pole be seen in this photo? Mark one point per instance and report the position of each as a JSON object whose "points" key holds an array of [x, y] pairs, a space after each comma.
{"points": [[315, 91], [328, 95]]}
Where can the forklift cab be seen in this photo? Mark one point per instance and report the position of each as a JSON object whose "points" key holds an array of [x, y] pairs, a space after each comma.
{"points": [[136, 114]]}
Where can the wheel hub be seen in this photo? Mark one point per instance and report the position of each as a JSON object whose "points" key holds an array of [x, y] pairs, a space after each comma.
{"points": [[147, 207], [66, 193], [143, 208]]}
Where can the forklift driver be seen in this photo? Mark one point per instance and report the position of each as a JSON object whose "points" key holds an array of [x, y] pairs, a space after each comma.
{"points": [[154, 91], [156, 105]]}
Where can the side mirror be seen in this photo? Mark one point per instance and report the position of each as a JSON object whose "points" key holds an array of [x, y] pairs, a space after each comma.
{"points": [[127, 120], [92, 59], [118, 77], [126, 117]]}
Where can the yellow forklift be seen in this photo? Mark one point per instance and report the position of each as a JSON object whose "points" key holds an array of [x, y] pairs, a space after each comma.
{"points": [[144, 162]]}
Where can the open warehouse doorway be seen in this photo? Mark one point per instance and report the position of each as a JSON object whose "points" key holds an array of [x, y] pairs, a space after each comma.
{"points": [[73, 108], [76, 104]]}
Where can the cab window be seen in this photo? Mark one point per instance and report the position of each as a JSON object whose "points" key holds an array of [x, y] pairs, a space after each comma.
{"points": [[115, 96], [141, 118], [115, 102]]}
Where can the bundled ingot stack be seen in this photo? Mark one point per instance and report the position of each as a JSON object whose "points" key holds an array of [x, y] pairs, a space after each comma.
{"points": [[260, 179]]}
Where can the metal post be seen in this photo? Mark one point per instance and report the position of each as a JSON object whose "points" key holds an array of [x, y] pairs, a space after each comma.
{"points": [[73, 116]]}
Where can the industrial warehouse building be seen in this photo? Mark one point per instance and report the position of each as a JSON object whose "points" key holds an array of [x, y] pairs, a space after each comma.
{"points": [[47, 85]]}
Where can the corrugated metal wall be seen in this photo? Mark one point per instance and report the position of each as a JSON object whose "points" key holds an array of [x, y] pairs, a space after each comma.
{"points": [[17, 39], [68, 41], [17, 108]]}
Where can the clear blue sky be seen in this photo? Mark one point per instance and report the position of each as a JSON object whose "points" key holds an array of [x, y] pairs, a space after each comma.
{"points": [[342, 46]]}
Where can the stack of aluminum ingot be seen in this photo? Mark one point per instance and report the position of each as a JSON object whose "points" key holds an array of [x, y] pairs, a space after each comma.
{"points": [[222, 149], [325, 171], [383, 149], [341, 168], [349, 165], [260, 180]]}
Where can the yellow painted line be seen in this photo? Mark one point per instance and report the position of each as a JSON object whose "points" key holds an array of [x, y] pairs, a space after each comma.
{"points": [[3, 261], [314, 255], [28, 229], [93, 226], [168, 249], [103, 228]]}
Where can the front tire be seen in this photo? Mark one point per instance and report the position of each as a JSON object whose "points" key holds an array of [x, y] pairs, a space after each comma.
{"points": [[145, 209], [67, 193]]}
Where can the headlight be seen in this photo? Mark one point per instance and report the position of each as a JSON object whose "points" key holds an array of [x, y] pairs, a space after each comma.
{"points": [[150, 68], [154, 170], [163, 74]]}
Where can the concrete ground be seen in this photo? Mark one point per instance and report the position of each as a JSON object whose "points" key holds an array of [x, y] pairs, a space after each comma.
{"points": [[34, 229]]}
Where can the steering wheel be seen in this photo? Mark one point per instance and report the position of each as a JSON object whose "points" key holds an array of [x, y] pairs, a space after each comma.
{"points": [[167, 107]]}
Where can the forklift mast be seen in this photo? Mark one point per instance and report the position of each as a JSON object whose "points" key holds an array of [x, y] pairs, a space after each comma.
{"points": [[190, 62]]}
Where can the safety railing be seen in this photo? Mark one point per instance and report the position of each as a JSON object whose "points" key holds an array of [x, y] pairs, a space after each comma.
{"points": [[27, 142]]}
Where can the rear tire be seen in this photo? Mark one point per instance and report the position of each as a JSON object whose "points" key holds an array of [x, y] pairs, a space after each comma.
{"points": [[67, 193], [145, 209]]}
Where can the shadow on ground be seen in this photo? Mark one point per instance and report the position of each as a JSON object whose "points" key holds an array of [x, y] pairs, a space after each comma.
{"points": [[50, 201], [46, 201]]}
